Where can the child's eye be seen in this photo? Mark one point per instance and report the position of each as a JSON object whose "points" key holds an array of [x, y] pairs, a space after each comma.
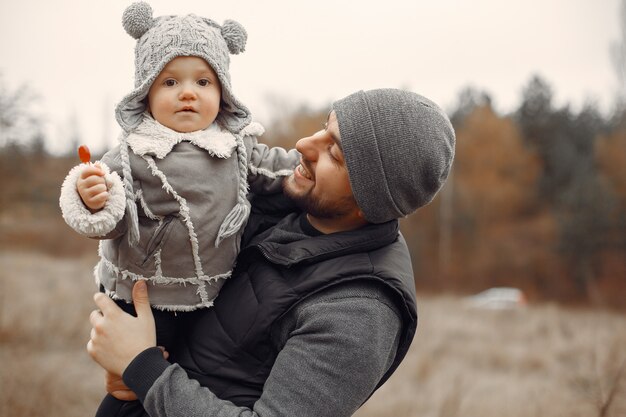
{"points": [[203, 82], [170, 82]]}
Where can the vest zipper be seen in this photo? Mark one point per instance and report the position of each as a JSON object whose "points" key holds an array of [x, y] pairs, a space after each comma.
{"points": [[273, 259]]}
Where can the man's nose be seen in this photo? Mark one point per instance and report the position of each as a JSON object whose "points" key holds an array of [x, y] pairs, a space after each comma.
{"points": [[306, 146]]}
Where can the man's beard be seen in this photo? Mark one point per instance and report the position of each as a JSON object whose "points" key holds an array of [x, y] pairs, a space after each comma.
{"points": [[319, 207]]}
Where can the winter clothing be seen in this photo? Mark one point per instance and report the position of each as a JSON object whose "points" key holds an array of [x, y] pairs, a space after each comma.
{"points": [[159, 40], [186, 183], [304, 318], [330, 360], [398, 147], [182, 196]]}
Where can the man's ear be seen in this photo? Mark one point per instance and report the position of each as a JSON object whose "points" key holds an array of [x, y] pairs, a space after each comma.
{"points": [[360, 214]]}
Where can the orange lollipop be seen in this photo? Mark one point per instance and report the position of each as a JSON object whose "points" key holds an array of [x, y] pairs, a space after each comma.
{"points": [[84, 154]]}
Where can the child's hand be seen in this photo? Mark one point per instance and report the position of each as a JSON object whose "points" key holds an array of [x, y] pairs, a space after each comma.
{"points": [[92, 187]]}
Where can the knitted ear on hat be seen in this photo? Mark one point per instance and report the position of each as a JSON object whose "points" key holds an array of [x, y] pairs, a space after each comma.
{"points": [[137, 19], [235, 36]]}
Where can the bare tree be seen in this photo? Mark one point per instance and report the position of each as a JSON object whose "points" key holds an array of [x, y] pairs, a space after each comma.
{"points": [[469, 98], [618, 55], [20, 124], [570, 184]]}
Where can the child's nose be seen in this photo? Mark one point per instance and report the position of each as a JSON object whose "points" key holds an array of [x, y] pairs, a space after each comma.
{"points": [[187, 93]]}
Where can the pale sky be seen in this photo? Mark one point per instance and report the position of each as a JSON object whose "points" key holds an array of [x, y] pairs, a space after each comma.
{"points": [[79, 59]]}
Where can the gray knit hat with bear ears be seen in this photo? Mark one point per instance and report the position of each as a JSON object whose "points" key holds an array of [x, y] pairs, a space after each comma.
{"points": [[159, 40], [398, 147]]}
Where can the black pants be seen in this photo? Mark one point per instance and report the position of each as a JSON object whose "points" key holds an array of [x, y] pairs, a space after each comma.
{"points": [[168, 326], [168, 323], [112, 407]]}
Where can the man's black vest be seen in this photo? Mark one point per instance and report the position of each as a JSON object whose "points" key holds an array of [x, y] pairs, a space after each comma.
{"points": [[228, 348]]}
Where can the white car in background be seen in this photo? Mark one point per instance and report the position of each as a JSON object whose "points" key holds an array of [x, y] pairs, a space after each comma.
{"points": [[499, 298]]}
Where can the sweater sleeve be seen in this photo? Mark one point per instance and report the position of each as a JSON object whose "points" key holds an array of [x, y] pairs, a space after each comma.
{"points": [[267, 166], [335, 349]]}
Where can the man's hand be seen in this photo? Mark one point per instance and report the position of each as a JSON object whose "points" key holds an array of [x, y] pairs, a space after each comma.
{"points": [[92, 187], [117, 337], [116, 387]]}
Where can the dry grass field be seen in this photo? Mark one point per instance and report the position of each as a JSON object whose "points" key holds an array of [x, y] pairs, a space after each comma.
{"points": [[543, 361]]}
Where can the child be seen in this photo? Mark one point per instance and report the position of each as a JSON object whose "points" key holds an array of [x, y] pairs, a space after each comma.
{"points": [[170, 203]]}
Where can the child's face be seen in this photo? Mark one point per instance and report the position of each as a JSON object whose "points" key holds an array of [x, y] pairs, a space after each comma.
{"points": [[186, 95]]}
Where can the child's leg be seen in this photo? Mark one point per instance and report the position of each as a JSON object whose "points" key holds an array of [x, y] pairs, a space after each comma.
{"points": [[167, 327], [127, 307], [112, 407]]}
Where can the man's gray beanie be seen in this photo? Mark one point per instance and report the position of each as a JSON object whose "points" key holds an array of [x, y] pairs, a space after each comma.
{"points": [[398, 147]]}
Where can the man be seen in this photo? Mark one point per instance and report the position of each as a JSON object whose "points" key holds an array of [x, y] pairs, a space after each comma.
{"points": [[321, 308]]}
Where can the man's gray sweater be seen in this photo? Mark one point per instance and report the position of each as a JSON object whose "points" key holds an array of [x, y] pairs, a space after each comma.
{"points": [[330, 361]]}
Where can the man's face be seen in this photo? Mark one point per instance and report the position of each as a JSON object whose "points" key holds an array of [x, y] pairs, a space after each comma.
{"points": [[320, 184], [186, 95]]}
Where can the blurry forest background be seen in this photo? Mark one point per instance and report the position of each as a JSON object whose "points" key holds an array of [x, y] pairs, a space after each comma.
{"points": [[536, 200]]}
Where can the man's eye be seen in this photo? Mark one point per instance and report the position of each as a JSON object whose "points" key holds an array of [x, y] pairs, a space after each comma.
{"points": [[333, 158], [170, 82], [203, 82]]}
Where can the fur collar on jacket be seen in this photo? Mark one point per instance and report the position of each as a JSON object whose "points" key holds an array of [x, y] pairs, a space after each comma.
{"points": [[152, 138]]}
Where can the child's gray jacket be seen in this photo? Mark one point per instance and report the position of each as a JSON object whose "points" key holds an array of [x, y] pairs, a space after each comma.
{"points": [[185, 185]]}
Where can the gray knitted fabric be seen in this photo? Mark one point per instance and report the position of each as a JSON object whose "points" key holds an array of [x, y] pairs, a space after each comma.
{"points": [[398, 147], [159, 40]]}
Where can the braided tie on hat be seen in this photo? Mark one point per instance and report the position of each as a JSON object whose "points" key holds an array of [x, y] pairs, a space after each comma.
{"points": [[157, 38], [132, 219], [237, 217]]}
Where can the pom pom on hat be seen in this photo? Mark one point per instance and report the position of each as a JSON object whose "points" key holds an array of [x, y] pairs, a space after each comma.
{"points": [[137, 19], [160, 38], [235, 36]]}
